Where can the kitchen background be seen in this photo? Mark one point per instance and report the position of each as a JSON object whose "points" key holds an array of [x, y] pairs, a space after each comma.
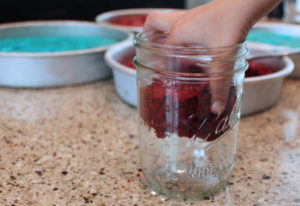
{"points": [[16, 10]]}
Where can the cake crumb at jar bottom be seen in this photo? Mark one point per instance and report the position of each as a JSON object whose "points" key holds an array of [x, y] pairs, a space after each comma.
{"points": [[182, 168], [189, 192]]}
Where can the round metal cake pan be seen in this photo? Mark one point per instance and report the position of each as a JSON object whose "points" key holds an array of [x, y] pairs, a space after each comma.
{"points": [[51, 69], [104, 18], [287, 29]]}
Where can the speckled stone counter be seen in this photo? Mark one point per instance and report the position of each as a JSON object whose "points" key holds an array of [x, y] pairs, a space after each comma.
{"points": [[78, 146]]}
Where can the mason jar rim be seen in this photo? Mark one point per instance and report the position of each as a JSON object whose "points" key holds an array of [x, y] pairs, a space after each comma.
{"points": [[188, 76], [142, 39], [207, 56]]}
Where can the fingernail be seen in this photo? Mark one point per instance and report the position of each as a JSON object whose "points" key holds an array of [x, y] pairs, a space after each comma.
{"points": [[217, 107]]}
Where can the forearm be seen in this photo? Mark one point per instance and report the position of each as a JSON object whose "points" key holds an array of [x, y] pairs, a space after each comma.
{"points": [[247, 12]]}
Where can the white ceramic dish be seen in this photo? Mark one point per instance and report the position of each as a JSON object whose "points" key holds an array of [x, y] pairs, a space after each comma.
{"points": [[260, 92], [104, 17], [49, 69], [284, 29]]}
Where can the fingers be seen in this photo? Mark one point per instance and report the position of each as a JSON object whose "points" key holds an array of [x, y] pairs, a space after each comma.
{"points": [[182, 30], [219, 93], [161, 21], [220, 85]]}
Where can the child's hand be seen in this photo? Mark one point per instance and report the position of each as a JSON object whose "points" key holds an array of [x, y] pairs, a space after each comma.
{"points": [[216, 24]]}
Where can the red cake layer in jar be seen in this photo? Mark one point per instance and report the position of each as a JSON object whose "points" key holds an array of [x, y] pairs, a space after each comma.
{"points": [[166, 102], [171, 107]]}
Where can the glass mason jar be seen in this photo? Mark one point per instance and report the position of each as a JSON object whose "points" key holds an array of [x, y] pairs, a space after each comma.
{"points": [[187, 146]]}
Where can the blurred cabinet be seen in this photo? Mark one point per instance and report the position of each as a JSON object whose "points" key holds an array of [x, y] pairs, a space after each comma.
{"points": [[194, 3], [19, 10]]}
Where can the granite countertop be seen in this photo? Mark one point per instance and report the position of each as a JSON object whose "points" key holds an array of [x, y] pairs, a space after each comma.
{"points": [[78, 146]]}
